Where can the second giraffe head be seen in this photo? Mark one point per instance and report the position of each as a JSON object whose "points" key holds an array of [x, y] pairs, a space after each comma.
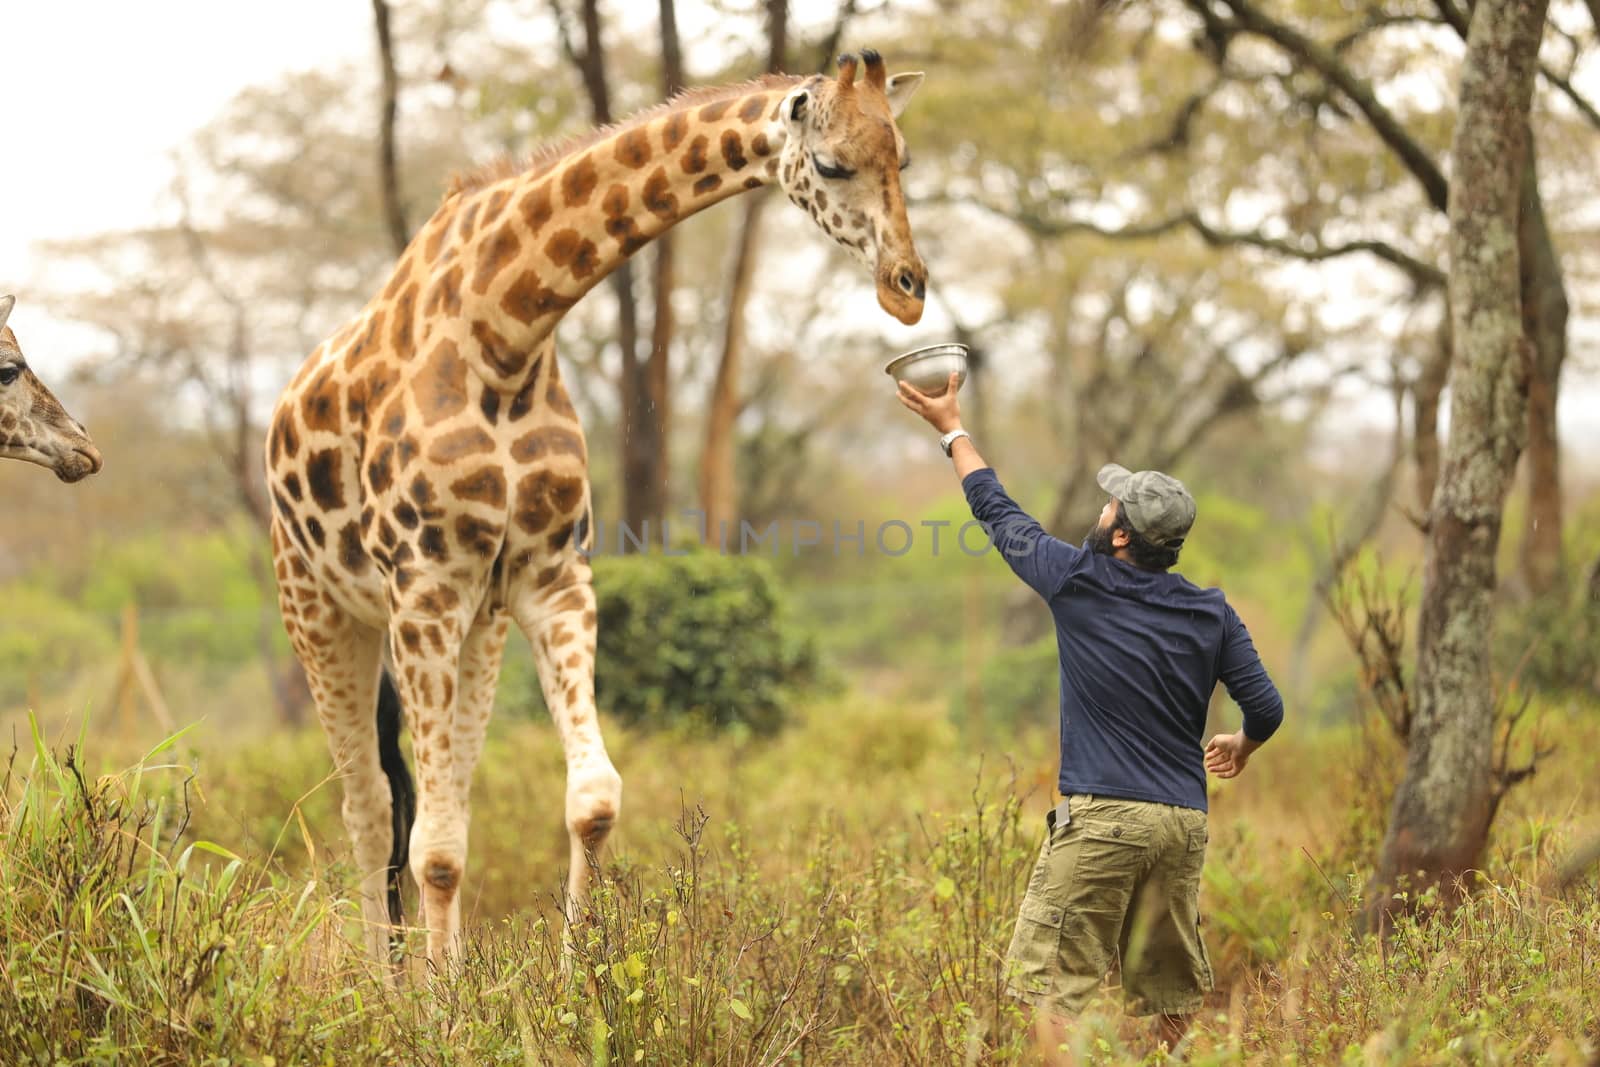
{"points": [[841, 161]]}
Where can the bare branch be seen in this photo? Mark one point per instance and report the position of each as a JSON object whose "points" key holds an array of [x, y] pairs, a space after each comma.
{"points": [[1331, 67], [1423, 275], [1586, 109]]}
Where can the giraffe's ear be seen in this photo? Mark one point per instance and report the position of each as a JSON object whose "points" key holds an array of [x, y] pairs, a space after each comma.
{"points": [[6, 304], [900, 90], [794, 105]]}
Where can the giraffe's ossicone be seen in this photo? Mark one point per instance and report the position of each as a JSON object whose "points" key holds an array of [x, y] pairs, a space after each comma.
{"points": [[429, 476], [34, 427]]}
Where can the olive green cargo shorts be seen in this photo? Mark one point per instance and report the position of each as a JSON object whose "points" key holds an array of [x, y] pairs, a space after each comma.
{"points": [[1118, 881]]}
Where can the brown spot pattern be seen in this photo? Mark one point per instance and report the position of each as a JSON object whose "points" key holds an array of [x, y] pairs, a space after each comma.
{"points": [[484, 486], [709, 184], [547, 441], [694, 160], [544, 495], [536, 207], [733, 150], [495, 253], [478, 536], [715, 110], [578, 181], [441, 386], [405, 307], [325, 479], [658, 196], [459, 444], [445, 294], [577, 254], [633, 148], [498, 353], [674, 130], [527, 299]]}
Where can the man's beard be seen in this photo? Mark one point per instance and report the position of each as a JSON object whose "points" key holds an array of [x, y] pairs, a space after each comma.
{"points": [[1100, 540]]}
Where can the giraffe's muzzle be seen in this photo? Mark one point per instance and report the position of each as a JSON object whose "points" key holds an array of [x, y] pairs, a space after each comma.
{"points": [[902, 289], [76, 465]]}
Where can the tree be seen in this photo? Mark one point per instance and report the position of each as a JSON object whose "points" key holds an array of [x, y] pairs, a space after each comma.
{"points": [[640, 422], [718, 481], [1443, 807], [388, 167]]}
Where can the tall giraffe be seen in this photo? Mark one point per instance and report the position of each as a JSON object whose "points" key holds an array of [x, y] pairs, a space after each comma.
{"points": [[429, 475], [34, 427]]}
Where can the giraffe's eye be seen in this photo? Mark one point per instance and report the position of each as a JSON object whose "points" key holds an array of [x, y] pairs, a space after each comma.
{"points": [[830, 170], [10, 373], [906, 162]]}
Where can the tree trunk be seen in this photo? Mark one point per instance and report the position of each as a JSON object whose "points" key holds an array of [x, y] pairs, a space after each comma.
{"points": [[719, 495], [637, 420], [1425, 415], [1440, 818], [394, 215], [719, 492], [655, 428], [1544, 320]]}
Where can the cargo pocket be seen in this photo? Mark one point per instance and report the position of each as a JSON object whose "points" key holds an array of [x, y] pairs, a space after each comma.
{"points": [[1113, 857], [1032, 962]]}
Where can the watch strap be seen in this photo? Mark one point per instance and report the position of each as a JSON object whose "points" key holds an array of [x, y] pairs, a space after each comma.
{"points": [[947, 441]]}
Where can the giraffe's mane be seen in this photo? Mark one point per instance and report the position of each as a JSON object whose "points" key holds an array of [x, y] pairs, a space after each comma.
{"points": [[541, 159]]}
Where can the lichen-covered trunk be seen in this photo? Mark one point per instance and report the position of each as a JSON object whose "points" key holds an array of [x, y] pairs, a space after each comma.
{"points": [[1441, 812], [1544, 319]]}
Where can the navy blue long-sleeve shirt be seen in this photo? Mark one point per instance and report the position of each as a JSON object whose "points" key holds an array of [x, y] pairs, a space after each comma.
{"points": [[1141, 653]]}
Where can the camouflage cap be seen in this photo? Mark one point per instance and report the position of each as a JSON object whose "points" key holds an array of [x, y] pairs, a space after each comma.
{"points": [[1158, 505]]}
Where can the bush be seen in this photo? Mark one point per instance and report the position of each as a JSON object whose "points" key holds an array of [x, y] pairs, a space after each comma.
{"points": [[1020, 688], [46, 639], [1547, 644], [700, 637]]}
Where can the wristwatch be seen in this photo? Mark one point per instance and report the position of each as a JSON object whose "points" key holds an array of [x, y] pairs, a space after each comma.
{"points": [[949, 439]]}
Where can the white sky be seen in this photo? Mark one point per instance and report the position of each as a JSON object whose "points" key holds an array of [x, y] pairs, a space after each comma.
{"points": [[99, 92]]}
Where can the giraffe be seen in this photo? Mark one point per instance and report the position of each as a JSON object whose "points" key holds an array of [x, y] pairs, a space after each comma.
{"points": [[34, 427], [429, 474]]}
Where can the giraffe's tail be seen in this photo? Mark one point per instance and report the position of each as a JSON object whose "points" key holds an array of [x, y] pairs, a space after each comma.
{"points": [[401, 790]]}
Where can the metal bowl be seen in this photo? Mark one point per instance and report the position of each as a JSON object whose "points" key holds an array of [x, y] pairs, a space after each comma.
{"points": [[928, 369]]}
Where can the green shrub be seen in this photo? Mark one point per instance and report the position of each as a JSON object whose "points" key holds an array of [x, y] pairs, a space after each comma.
{"points": [[700, 637], [46, 639], [1547, 644], [1019, 687]]}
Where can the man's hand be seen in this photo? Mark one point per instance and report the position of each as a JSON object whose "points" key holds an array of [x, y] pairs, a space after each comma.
{"points": [[943, 412], [1227, 754]]}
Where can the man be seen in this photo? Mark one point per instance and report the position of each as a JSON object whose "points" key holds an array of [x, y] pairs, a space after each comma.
{"points": [[1142, 650]]}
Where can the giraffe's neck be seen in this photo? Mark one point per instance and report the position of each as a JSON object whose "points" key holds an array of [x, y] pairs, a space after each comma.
{"points": [[505, 261]]}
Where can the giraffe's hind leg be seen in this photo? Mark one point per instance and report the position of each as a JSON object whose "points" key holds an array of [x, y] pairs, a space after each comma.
{"points": [[341, 657], [559, 621]]}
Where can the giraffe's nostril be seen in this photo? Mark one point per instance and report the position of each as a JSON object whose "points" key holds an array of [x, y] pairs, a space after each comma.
{"points": [[907, 283]]}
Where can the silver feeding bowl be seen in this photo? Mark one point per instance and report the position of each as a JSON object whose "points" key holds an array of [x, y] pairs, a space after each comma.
{"points": [[928, 369]]}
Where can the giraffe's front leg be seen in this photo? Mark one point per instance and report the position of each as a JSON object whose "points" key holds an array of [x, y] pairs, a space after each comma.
{"points": [[426, 645], [559, 621]]}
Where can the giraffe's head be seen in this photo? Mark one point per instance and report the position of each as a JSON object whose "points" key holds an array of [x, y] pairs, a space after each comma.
{"points": [[841, 161], [33, 424]]}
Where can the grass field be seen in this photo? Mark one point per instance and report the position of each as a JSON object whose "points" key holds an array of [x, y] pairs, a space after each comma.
{"points": [[840, 894]]}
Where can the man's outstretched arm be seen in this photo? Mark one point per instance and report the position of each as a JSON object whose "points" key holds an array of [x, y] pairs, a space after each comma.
{"points": [[1035, 556]]}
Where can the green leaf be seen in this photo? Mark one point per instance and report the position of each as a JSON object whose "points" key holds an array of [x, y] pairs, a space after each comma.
{"points": [[739, 1009]]}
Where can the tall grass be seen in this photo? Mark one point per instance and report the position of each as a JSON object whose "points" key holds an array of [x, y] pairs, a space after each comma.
{"points": [[842, 894]]}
